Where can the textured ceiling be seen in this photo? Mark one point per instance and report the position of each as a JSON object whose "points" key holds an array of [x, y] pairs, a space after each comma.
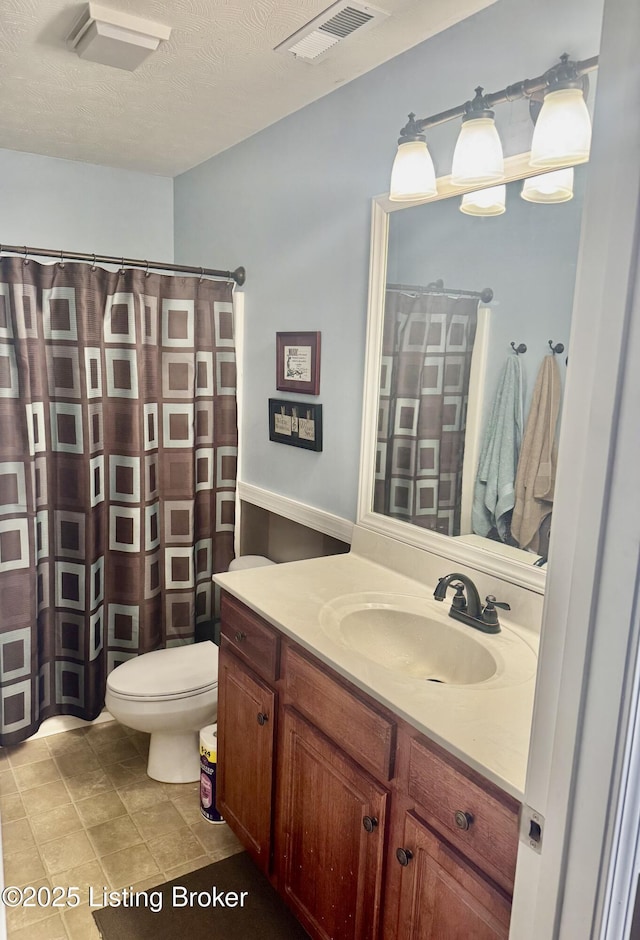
{"points": [[214, 83]]}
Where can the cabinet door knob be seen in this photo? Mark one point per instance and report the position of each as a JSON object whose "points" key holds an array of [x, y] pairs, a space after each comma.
{"points": [[404, 856], [463, 820], [369, 823], [240, 636], [262, 718]]}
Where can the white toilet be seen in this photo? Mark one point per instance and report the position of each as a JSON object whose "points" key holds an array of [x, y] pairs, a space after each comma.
{"points": [[171, 694]]}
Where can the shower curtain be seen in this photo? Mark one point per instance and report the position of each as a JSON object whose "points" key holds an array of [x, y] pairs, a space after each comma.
{"points": [[424, 384], [118, 445]]}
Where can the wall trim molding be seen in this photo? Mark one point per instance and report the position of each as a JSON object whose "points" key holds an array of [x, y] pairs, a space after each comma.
{"points": [[318, 519]]}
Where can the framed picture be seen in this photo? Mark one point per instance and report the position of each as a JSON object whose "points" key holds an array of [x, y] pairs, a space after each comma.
{"points": [[298, 423], [298, 362]]}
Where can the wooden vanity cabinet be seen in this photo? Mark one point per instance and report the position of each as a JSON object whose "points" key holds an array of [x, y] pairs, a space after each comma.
{"points": [[330, 835], [366, 828], [442, 894], [247, 720]]}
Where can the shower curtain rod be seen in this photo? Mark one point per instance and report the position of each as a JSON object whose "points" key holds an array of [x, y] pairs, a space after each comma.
{"points": [[239, 275], [437, 287]]}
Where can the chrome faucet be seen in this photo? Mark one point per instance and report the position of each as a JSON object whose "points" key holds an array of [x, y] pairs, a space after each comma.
{"points": [[467, 607]]}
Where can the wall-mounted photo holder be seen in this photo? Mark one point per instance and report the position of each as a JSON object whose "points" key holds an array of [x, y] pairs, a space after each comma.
{"points": [[298, 362], [298, 423]]}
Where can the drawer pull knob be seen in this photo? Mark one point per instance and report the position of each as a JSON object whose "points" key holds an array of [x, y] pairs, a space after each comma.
{"points": [[404, 856], [262, 718], [240, 636], [369, 823], [463, 820]]}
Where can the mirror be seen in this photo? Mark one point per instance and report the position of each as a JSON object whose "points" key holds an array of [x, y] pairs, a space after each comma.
{"points": [[416, 484]]}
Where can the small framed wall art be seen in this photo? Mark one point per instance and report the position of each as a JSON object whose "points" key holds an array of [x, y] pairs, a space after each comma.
{"points": [[298, 423], [298, 362]]}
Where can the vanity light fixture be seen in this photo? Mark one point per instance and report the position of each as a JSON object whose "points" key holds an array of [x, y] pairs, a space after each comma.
{"points": [[556, 186], [478, 157], [413, 175], [562, 133], [489, 201]]}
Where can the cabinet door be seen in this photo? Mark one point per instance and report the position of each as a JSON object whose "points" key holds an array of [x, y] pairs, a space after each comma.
{"points": [[331, 828], [246, 719], [444, 898]]}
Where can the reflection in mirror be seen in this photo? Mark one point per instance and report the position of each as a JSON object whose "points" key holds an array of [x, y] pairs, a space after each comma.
{"points": [[467, 426]]}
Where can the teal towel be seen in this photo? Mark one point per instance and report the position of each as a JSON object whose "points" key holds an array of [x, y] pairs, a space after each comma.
{"points": [[494, 492]]}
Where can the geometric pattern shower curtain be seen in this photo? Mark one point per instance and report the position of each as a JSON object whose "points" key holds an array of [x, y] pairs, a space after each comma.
{"points": [[118, 446], [424, 386]]}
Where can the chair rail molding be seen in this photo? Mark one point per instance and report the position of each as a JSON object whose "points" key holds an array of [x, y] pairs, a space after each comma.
{"points": [[310, 516]]}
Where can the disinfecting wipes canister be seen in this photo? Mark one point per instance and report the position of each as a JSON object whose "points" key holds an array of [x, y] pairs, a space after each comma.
{"points": [[208, 754]]}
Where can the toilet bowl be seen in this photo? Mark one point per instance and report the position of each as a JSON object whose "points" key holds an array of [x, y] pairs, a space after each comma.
{"points": [[170, 694]]}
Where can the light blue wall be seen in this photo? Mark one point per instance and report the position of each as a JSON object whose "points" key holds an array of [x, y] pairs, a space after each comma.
{"points": [[51, 203], [292, 204]]}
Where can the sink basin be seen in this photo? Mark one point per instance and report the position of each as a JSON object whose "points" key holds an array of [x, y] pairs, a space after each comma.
{"points": [[417, 645], [409, 636]]}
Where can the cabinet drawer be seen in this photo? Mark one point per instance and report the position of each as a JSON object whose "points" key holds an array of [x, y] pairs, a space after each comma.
{"points": [[251, 639], [362, 732], [448, 798]]}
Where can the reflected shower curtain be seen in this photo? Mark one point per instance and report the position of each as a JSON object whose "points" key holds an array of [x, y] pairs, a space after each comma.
{"points": [[424, 385], [118, 443]]}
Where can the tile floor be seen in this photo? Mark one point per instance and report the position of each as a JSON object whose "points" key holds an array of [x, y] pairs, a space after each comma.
{"points": [[78, 809]]}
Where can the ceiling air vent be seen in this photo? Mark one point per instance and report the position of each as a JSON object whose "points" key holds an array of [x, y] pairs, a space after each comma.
{"points": [[341, 20]]}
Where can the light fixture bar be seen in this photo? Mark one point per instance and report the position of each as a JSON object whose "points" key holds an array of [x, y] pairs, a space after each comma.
{"points": [[524, 89]]}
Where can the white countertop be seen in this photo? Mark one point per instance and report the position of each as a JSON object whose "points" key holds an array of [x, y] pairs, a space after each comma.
{"points": [[485, 725]]}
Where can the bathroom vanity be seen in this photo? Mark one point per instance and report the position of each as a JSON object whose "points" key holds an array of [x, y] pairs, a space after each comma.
{"points": [[379, 803]]}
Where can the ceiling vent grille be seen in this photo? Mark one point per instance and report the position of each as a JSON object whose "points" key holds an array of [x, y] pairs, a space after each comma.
{"points": [[341, 20]]}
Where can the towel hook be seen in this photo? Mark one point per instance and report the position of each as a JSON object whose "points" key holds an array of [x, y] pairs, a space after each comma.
{"points": [[558, 348], [520, 348]]}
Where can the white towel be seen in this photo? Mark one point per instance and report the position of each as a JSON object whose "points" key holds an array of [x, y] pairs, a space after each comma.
{"points": [[494, 492]]}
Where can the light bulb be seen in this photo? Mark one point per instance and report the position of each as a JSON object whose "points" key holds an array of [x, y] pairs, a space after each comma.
{"points": [[563, 130], [489, 201], [556, 186], [413, 175]]}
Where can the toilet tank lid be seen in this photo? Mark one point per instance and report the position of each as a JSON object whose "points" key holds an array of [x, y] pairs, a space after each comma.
{"points": [[249, 561], [169, 672]]}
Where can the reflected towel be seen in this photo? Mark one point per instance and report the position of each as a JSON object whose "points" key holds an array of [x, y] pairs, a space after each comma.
{"points": [[536, 476], [494, 493]]}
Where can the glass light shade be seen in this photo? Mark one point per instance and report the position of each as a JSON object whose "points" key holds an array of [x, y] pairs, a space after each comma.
{"points": [[478, 156], [489, 201], [556, 186], [563, 130], [413, 175]]}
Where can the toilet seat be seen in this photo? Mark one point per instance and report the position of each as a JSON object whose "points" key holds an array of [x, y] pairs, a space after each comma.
{"points": [[163, 675]]}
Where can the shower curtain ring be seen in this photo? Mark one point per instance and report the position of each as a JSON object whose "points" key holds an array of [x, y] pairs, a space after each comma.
{"points": [[61, 261], [146, 271], [122, 266], [201, 278], [25, 260], [93, 263]]}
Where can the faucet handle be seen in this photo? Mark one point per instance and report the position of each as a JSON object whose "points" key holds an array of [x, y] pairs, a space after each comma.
{"points": [[490, 614], [492, 602], [459, 601]]}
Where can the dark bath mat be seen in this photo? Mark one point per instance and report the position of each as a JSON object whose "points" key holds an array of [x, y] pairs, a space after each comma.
{"points": [[263, 915]]}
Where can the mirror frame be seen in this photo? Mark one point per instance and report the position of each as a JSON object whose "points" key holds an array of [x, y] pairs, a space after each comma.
{"points": [[527, 576]]}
